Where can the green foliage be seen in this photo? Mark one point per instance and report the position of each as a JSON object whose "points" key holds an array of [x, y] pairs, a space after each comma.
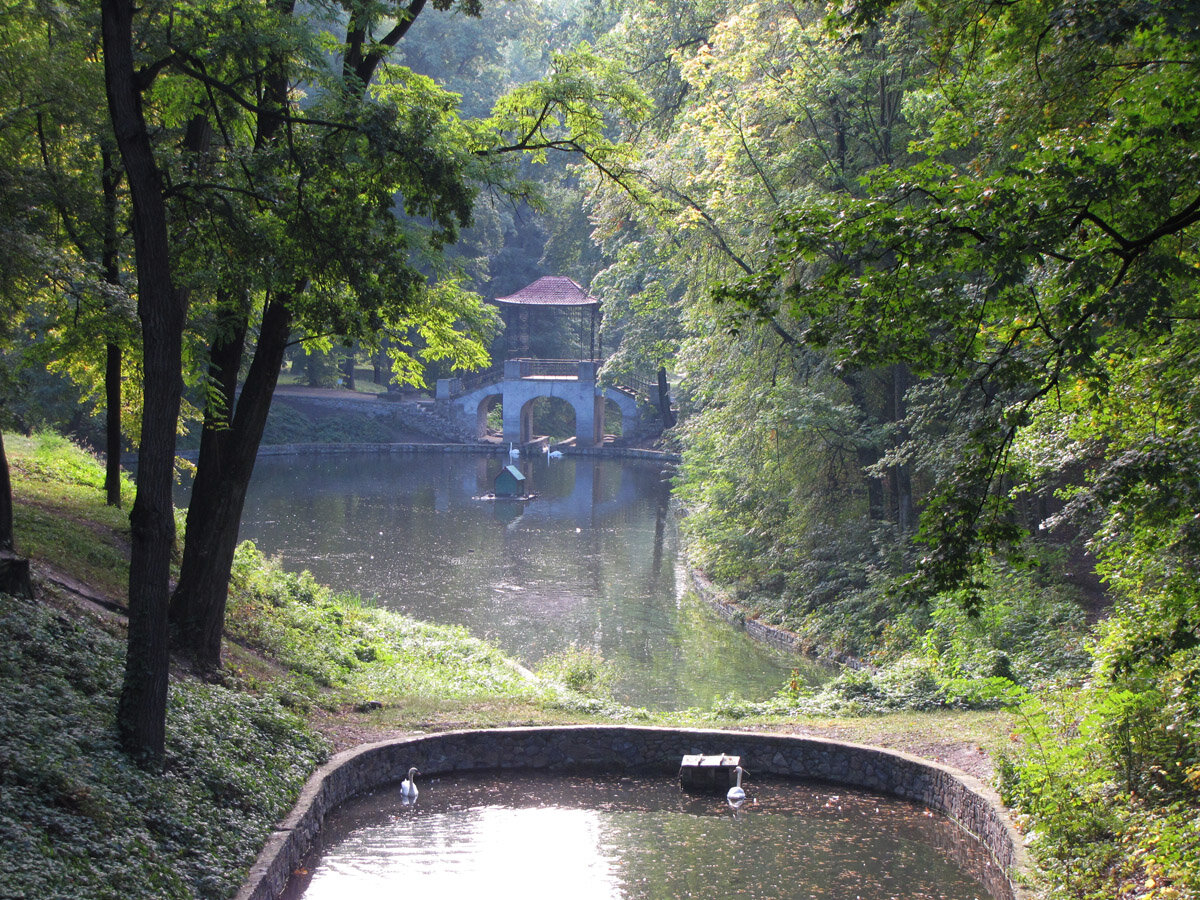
{"points": [[79, 819], [364, 653], [287, 425], [1037, 237], [297, 621], [59, 492], [1105, 794], [581, 669], [1026, 627]]}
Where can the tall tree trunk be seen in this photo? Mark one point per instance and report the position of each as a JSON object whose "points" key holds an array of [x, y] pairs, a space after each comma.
{"points": [[230, 439], [14, 570], [902, 480], [664, 399], [867, 454], [379, 364], [112, 351], [112, 424], [7, 537], [348, 367], [141, 713], [226, 463]]}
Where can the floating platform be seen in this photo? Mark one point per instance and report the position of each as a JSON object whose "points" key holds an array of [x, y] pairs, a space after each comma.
{"points": [[698, 772]]}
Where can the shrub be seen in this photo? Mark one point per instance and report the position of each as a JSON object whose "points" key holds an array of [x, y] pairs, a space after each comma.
{"points": [[581, 669]]}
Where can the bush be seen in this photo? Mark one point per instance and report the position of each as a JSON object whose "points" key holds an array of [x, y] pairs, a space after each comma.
{"points": [[582, 669]]}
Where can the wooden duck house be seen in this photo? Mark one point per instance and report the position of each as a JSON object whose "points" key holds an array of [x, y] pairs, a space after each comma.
{"points": [[709, 773], [510, 482]]}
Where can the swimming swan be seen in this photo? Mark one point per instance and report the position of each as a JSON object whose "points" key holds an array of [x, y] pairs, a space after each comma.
{"points": [[408, 787], [736, 794]]}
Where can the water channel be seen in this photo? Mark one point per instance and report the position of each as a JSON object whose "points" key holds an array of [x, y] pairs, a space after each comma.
{"points": [[593, 561], [618, 838]]}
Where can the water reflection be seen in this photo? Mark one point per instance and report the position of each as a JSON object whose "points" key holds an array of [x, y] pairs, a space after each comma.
{"points": [[591, 561], [611, 837]]}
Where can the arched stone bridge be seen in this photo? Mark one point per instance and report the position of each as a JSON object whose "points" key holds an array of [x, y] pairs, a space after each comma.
{"points": [[524, 380]]}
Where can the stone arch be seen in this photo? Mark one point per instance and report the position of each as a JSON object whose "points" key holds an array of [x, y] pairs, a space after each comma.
{"points": [[529, 426], [486, 404], [628, 405]]}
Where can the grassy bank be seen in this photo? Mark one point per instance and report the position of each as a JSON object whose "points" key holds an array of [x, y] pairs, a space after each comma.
{"points": [[307, 671]]}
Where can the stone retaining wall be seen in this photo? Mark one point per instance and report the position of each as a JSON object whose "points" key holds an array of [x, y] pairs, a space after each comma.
{"points": [[640, 751], [775, 635]]}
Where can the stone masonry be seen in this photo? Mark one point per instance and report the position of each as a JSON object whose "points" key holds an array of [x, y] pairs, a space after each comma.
{"points": [[637, 750]]}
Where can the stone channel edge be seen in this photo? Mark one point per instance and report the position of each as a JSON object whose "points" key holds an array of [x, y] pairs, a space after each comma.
{"points": [[641, 750]]}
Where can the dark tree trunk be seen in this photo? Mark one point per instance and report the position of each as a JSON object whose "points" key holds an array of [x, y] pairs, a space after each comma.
{"points": [[867, 455], [112, 425], [112, 351], [664, 400], [6, 502], [348, 369], [230, 440], [14, 570], [902, 481], [226, 463], [141, 713], [378, 365]]}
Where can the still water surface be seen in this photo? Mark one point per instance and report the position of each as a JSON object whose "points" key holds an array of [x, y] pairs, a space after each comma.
{"points": [[592, 561], [538, 836]]}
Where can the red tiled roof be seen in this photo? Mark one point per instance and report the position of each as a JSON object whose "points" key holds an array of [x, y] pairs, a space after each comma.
{"points": [[551, 290]]}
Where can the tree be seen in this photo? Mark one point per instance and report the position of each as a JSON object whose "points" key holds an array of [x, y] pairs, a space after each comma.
{"points": [[786, 477], [1046, 224], [162, 308], [347, 265]]}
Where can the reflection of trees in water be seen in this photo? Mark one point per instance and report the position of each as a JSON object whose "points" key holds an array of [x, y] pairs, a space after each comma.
{"points": [[590, 561]]}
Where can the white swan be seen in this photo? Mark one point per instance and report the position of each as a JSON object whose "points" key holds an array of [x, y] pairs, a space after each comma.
{"points": [[736, 794], [408, 787], [513, 452]]}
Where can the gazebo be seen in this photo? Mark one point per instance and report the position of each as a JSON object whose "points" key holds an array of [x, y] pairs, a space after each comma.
{"points": [[548, 292]]}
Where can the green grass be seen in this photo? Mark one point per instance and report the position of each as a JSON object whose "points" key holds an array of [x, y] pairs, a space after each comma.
{"points": [[60, 515]]}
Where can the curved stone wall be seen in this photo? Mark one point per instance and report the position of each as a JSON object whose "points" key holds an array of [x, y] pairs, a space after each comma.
{"points": [[643, 751]]}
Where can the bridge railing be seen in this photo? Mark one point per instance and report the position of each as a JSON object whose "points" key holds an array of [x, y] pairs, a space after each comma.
{"points": [[643, 387], [448, 388], [472, 380], [550, 368]]}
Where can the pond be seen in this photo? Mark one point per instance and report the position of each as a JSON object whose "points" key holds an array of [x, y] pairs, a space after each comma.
{"points": [[592, 561], [538, 835]]}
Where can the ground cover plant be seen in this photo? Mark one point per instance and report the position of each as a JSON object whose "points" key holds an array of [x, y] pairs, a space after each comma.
{"points": [[79, 819]]}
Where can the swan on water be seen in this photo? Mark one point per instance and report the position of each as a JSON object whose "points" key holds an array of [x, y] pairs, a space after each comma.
{"points": [[513, 452], [408, 787], [736, 794], [553, 454]]}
